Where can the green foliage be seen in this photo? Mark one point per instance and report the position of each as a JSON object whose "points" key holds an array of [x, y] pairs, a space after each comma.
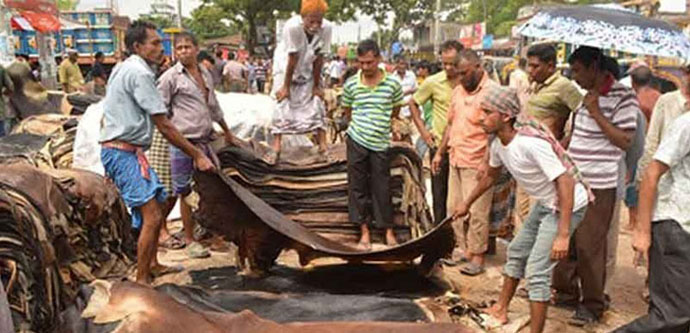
{"points": [[159, 21], [67, 4], [206, 22]]}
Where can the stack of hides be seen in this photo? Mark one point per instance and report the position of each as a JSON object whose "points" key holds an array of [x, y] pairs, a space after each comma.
{"points": [[59, 229], [310, 189], [59, 131]]}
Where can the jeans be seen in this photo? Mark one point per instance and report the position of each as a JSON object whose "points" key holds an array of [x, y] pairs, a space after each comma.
{"points": [[529, 254]]}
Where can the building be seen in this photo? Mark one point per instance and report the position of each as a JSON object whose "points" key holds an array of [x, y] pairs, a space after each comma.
{"points": [[164, 10], [424, 35], [675, 11]]}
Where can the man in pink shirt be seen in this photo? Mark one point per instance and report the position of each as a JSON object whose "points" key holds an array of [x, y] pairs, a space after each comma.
{"points": [[467, 144]]}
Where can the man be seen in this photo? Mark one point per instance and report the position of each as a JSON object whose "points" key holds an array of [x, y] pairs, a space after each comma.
{"points": [[667, 108], [647, 95], [250, 64], [218, 69], [662, 235], [467, 144], [187, 91], [235, 75], [335, 72], [98, 74], [533, 156], [438, 88], [371, 99], [261, 74], [131, 107], [206, 60], [519, 80], [550, 99], [6, 89], [408, 80], [603, 128], [423, 71], [297, 65], [69, 73]]}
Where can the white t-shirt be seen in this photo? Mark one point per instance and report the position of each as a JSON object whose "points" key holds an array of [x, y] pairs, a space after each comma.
{"points": [[535, 166]]}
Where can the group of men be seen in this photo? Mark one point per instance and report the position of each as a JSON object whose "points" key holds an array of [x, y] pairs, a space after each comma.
{"points": [[566, 149], [569, 151]]}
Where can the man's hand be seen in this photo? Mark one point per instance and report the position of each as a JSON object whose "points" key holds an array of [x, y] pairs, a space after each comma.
{"points": [[591, 102], [317, 91], [429, 139], [642, 240], [482, 170], [202, 163], [559, 250], [460, 211], [283, 93], [436, 163]]}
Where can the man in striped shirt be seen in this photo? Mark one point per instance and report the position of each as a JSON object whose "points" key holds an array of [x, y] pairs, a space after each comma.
{"points": [[371, 99], [603, 129]]}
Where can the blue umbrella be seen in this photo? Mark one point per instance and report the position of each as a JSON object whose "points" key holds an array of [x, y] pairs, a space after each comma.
{"points": [[608, 28]]}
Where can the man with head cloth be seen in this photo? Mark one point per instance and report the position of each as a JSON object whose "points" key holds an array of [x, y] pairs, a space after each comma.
{"points": [[533, 156], [298, 60]]}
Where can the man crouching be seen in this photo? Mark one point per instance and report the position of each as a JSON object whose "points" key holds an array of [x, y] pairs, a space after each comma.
{"points": [[543, 168]]}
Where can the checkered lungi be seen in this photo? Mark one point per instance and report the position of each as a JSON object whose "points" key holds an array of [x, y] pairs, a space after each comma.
{"points": [[159, 159]]}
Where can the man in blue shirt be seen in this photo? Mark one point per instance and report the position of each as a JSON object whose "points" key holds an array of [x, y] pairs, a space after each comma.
{"points": [[132, 106]]}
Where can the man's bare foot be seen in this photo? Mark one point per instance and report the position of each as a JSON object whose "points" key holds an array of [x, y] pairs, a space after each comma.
{"points": [[390, 239], [499, 313], [160, 270], [364, 246]]}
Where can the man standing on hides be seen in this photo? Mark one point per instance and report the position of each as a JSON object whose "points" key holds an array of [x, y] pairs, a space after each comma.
{"points": [[297, 68]]}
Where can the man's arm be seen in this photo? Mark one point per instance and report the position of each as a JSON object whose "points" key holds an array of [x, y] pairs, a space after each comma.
{"points": [[396, 112], [642, 238], [8, 84], [565, 186], [318, 66], [419, 123], [620, 138], [284, 92]]}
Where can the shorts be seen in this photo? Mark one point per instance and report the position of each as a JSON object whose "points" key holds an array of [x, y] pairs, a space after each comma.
{"points": [[182, 168]]}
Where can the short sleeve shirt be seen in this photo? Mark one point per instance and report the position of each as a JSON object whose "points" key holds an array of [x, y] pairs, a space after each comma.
{"points": [[438, 90], [468, 141], [131, 99], [372, 108], [535, 166], [673, 198], [556, 97]]}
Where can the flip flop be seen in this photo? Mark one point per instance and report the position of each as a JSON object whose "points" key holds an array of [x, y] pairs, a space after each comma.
{"points": [[453, 263], [472, 269], [172, 243]]}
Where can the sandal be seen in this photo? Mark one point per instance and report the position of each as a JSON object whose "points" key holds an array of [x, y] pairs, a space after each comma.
{"points": [[454, 262], [472, 269], [172, 243]]}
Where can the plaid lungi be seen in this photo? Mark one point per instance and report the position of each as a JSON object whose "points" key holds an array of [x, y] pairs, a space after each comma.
{"points": [[159, 159]]}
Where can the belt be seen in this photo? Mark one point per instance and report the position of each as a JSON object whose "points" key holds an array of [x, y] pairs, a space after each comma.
{"points": [[128, 147]]}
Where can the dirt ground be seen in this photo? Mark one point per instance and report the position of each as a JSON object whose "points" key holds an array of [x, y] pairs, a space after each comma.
{"points": [[625, 289]]}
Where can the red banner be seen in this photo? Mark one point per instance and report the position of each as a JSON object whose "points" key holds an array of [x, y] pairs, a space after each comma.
{"points": [[39, 6], [42, 22]]}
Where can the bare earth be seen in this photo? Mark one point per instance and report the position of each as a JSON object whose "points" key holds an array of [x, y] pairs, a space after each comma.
{"points": [[625, 289]]}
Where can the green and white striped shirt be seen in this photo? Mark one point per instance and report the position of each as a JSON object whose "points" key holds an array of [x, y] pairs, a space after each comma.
{"points": [[372, 107]]}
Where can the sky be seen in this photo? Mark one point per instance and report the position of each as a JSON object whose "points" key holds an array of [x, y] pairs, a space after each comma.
{"points": [[343, 33]]}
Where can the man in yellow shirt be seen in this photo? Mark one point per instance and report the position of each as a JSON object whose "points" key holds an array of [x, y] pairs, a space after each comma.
{"points": [[69, 73], [438, 89]]}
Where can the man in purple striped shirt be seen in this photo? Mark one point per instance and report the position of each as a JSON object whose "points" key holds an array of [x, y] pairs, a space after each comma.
{"points": [[603, 127]]}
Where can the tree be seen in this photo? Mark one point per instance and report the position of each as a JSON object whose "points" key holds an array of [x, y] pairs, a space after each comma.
{"points": [[247, 15], [501, 14], [207, 22], [66, 5], [160, 21]]}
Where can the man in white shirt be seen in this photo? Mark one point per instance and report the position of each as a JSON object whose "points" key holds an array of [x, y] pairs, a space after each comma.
{"points": [[540, 165], [408, 80]]}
